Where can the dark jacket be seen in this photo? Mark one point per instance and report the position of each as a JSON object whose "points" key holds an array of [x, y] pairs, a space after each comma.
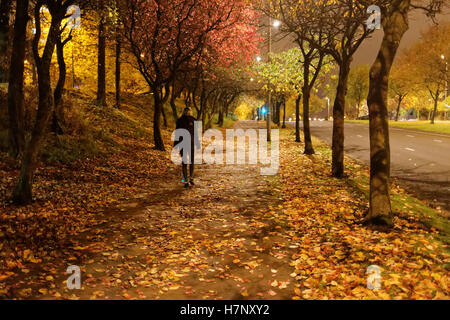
{"points": [[187, 122]]}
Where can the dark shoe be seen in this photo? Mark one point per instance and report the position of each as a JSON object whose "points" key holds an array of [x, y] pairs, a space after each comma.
{"points": [[192, 182], [186, 185]]}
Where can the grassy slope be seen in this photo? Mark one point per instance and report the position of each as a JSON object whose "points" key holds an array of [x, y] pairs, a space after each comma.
{"points": [[439, 127]]}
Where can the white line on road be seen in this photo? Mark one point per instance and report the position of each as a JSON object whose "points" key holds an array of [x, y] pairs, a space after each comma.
{"points": [[360, 136], [408, 135], [440, 141], [409, 149]]}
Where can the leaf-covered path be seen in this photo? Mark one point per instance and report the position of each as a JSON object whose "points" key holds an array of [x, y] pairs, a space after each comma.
{"points": [[235, 235], [219, 239]]}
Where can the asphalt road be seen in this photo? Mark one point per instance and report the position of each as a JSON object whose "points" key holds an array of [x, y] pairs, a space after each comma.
{"points": [[419, 160]]}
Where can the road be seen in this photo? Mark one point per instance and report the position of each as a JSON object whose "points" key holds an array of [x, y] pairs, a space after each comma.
{"points": [[419, 160]]}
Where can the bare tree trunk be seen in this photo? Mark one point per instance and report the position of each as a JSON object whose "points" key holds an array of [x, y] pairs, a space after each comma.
{"points": [[306, 128], [306, 95], [163, 112], [16, 134], [297, 118], [338, 121], [101, 73], [435, 99], [394, 25], [278, 113], [284, 114], [57, 95], [220, 122], [117, 73], [159, 143], [174, 95], [23, 191], [5, 10], [397, 114]]}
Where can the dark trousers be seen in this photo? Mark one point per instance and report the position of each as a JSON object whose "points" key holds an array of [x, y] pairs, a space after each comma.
{"points": [[188, 161]]}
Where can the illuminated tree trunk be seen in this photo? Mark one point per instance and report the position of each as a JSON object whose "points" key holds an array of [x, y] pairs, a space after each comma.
{"points": [[16, 134], [101, 72], [297, 118], [395, 25], [5, 10], [338, 121], [23, 191]]}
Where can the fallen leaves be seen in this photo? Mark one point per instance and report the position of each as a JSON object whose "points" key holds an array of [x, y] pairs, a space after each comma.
{"points": [[308, 245]]}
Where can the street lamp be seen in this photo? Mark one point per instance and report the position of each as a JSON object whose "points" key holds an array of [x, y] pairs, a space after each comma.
{"points": [[258, 58], [274, 24]]}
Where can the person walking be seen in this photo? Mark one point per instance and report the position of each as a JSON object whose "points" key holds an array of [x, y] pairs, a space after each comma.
{"points": [[187, 122]]}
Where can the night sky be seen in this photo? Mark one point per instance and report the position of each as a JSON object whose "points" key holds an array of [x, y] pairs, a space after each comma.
{"points": [[419, 23]]}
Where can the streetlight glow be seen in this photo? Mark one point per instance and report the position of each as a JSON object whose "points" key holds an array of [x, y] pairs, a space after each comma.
{"points": [[258, 58], [442, 57], [276, 23]]}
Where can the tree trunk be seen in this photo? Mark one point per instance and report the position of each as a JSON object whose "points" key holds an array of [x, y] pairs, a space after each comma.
{"points": [[394, 25], [16, 134], [57, 96], [173, 98], [306, 95], [220, 122], [284, 115], [397, 114], [5, 10], [101, 72], [23, 191], [163, 112], [306, 128], [159, 143], [278, 113], [117, 73], [435, 99], [338, 121], [297, 118]]}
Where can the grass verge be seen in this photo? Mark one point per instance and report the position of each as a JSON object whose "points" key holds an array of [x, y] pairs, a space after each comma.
{"points": [[438, 127]]}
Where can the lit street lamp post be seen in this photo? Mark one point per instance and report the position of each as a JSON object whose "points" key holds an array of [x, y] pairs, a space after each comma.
{"points": [[446, 78], [275, 24]]}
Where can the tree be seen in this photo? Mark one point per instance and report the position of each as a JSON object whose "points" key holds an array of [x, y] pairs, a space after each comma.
{"points": [[16, 134], [5, 10], [400, 83], [57, 9], [58, 92], [166, 35], [101, 56], [358, 84], [430, 69], [285, 73], [395, 24]]}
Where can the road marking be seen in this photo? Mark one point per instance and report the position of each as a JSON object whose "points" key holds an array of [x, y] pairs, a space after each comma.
{"points": [[409, 149], [360, 136], [408, 135], [440, 141]]}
